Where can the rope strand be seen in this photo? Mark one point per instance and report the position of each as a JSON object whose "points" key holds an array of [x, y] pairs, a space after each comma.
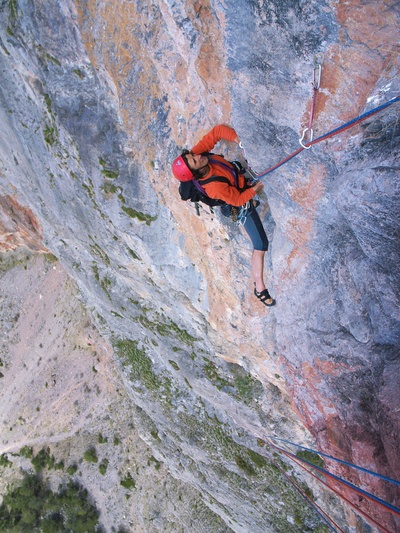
{"points": [[390, 480], [332, 489], [325, 517], [325, 136], [391, 508]]}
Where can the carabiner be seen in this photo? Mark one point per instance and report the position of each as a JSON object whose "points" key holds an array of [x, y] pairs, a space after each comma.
{"points": [[318, 60], [302, 138]]}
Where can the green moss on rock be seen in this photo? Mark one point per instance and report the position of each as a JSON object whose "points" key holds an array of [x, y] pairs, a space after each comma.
{"points": [[142, 217], [163, 326], [141, 367], [311, 457]]}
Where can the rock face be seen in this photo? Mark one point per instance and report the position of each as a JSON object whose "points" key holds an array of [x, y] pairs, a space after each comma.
{"points": [[97, 98]]}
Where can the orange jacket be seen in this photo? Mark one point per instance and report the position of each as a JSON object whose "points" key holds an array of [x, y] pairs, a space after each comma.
{"points": [[216, 190]]}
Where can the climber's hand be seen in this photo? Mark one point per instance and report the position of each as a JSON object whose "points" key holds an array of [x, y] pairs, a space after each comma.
{"points": [[259, 186]]}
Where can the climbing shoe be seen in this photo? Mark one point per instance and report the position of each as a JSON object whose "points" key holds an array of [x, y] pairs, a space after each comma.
{"points": [[263, 296]]}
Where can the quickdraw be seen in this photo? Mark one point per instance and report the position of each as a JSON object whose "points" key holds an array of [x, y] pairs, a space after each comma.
{"points": [[318, 61], [324, 137], [240, 214]]}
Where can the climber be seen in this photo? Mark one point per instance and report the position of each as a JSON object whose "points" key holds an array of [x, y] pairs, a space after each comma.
{"points": [[220, 180]]}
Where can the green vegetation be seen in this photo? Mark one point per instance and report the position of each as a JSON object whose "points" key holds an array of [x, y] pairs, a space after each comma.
{"points": [[109, 188], [257, 459], [157, 463], [110, 174], [14, 258], [244, 465], [43, 460], [101, 439], [79, 73], [142, 217], [140, 364], [164, 326], [50, 133], [174, 364], [32, 506], [240, 384], [154, 434], [26, 451], [97, 251], [106, 171], [210, 370], [311, 457], [247, 387], [243, 469], [103, 467], [128, 482], [51, 258], [105, 284], [13, 8], [95, 269], [47, 99], [4, 460], [132, 253], [90, 456], [53, 59], [72, 469], [89, 188]]}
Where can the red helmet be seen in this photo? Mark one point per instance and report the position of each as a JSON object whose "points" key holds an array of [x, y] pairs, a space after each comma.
{"points": [[180, 170]]}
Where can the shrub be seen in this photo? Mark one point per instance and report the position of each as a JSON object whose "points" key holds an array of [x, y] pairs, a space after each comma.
{"points": [[4, 460], [32, 506], [90, 455], [128, 482], [103, 467], [244, 465], [43, 459], [26, 451], [72, 469], [101, 439]]}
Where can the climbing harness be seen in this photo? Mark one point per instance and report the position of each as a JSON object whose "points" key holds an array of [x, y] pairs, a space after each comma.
{"points": [[325, 136], [240, 214], [308, 467], [318, 61], [193, 190]]}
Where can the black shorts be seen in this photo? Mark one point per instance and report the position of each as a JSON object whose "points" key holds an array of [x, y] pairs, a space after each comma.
{"points": [[256, 232]]}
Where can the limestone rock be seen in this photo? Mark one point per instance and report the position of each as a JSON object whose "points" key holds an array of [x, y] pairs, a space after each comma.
{"points": [[97, 98]]}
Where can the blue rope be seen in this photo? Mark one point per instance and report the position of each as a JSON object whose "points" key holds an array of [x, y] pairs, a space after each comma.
{"points": [[347, 483], [339, 461], [354, 120], [330, 134]]}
